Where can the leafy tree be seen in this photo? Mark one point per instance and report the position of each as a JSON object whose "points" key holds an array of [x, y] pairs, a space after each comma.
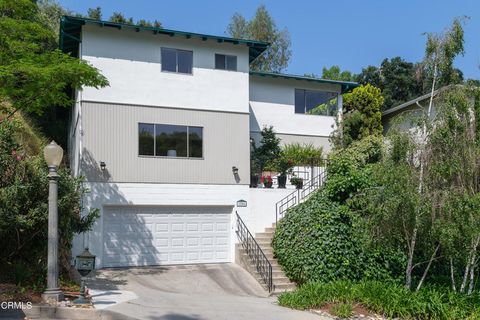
{"points": [[50, 13], [34, 75], [118, 17], [263, 28], [266, 155], [95, 13], [398, 79], [362, 116], [334, 73]]}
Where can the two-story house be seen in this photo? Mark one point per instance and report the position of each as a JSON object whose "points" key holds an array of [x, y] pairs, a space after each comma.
{"points": [[165, 148]]}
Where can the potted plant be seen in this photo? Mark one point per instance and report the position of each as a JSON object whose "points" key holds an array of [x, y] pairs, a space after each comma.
{"points": [[297, 182], [254, 168], [284, 167], [267, 181]]}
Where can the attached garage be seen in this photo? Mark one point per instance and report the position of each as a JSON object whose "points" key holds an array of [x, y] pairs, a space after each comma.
{"points": [[142, 236]]}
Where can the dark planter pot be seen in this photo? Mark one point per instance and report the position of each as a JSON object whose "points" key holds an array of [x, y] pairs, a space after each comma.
{"points": [[268, 184], [299, 185], [282, 182], [253, 181]]}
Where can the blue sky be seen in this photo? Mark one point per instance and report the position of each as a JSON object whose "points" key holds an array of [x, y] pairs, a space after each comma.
{"points": [[349, 33]]}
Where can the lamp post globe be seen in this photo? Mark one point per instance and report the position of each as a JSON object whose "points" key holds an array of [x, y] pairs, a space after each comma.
{"points": [[53, 154]]}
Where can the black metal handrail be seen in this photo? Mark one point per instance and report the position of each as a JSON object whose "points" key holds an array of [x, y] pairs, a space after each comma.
{"points": [[255, 253], [299, 195]]}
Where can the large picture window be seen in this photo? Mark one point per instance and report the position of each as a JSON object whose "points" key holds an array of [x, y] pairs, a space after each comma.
{"points": [[316, 102], [166, 140], [174, 60]]}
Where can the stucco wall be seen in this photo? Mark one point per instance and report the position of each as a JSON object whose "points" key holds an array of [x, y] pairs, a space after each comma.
{"points": [[110, 134], [131, 63], [272, 103]]}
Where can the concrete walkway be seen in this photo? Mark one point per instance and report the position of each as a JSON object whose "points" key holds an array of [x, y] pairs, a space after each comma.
{"points": [[200, 292]]}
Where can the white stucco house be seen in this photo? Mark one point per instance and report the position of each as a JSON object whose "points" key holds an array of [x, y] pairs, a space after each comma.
{"points": [[165, 148]]}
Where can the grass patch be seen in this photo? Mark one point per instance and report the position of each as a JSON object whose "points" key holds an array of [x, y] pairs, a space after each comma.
{"points": [[388, 299], [343, 310]]}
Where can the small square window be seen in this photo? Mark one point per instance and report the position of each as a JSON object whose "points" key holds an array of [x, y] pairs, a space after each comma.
{"points": [[180, 61], [225, 62]]}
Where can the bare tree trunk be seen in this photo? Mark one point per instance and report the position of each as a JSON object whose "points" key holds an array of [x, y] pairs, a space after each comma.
{"points": [[435, 72], [428, 267], [470, 264], [411, 250], [472, 276], [465, 275], [452, 275]]}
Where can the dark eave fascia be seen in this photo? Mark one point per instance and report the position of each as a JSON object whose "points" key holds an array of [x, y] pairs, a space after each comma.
{"points": [[346, 85], [73, 24]]}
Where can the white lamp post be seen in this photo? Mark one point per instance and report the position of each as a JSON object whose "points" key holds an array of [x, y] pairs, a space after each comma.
{"points": [[53, 154]]}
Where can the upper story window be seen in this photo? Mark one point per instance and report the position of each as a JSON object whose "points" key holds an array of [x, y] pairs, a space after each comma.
{"points": [[175, 60], [316, 102], [165, 140], [225, 62]]}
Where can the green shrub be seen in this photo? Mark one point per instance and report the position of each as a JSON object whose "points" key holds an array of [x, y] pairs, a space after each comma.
{"points": [[349, 169], [303, 154], [386, 298], [320, 240], [24, 211]]}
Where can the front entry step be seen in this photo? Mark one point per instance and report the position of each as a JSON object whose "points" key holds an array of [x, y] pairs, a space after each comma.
{"points": [[280, 281]]}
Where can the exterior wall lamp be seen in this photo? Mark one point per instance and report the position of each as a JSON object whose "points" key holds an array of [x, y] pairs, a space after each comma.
{"points": [[103, 165], [235, 170]]}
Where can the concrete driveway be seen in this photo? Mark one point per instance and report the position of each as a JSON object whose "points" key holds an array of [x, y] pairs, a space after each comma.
{"points": [[196, 292]]}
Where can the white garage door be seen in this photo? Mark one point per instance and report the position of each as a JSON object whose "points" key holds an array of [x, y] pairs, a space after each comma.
{"points": [[141, 236]]}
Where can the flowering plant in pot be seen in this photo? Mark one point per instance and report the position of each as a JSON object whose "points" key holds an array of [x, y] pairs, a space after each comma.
{"points": [[284, 167], [297, 182], [267, 181]]}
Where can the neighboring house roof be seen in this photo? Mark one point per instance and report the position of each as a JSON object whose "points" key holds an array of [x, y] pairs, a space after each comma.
{"points": [[410, 103], [70, 29], [346, 85]]}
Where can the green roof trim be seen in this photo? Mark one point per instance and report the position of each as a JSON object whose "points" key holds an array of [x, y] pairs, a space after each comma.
{"points": [[346, 85], [71, 28]]}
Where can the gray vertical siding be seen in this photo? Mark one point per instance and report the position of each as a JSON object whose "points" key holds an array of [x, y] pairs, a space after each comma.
{"points": [[110, 134]]}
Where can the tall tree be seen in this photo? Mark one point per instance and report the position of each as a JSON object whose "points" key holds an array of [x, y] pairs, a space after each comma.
{"points": [[118, 17], [50, 13], [398, 79], [334, 73], [263, 28], [34, 74], [95, 13]]}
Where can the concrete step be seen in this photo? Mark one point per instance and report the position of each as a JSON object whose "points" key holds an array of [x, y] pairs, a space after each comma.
{"points": [[278, 292], [285, 286], [265, 233], [270, 230]]}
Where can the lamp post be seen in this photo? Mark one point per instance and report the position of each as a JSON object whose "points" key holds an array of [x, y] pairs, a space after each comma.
{"points": [[53, 154]]}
